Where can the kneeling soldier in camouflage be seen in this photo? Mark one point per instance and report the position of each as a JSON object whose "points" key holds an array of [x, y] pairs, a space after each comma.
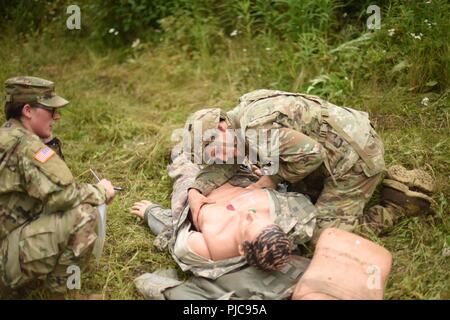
{"points": [[330, 153], [47, 220]]}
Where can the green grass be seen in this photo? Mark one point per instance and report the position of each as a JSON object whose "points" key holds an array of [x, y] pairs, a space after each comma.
{"points": [[125, 103]]}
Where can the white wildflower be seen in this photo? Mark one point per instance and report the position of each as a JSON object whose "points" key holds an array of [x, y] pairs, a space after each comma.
{"points": [[111, 30], [234, 33], [344, 15], [416, 36], [429, 24], [116, 33], [425, 101], [391, 32], [268, 49], [136, 43], [245, 50]]}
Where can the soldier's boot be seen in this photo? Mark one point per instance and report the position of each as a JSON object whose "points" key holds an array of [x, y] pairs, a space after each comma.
{"points": [[416, 180], [5, 291], [405, 193]]}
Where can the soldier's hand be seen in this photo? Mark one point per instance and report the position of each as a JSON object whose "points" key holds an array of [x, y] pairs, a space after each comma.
{"points": [[138, 208], [196, 201], [110, 192], [257, 171]]}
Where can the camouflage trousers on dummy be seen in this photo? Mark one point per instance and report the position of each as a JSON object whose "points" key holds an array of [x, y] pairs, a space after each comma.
{"points": [[246, 283], [43, 249]]}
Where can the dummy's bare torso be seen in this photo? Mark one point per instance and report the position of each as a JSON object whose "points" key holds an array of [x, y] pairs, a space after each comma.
{"points": [[219, 222]]}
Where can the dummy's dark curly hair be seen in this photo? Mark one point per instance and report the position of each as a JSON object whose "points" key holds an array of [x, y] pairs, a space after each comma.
{"points": [[271, 250]]}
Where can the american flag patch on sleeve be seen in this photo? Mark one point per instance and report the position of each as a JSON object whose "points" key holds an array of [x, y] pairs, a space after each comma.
{"points": [[44, 154]]}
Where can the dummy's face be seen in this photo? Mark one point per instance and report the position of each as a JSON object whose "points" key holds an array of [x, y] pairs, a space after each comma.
{"points": [[252, 224]]}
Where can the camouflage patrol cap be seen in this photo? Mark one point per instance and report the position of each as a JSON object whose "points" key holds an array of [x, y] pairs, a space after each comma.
{"points": [[209, 119], [31, 89]]}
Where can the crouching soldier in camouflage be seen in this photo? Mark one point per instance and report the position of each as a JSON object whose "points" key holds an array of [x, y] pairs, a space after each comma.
{"points": [[47, 220], [329, 152]]}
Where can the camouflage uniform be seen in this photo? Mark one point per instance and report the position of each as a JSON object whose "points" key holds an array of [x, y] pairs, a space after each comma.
{"points": [[315, 136], [47, 220]]}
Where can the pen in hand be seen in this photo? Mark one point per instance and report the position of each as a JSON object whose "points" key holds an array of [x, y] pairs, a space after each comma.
{"points": [[98, 180]]}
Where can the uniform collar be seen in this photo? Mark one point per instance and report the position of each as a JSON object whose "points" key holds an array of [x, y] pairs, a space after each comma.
{"points": [[14, 123], [17, 124]]}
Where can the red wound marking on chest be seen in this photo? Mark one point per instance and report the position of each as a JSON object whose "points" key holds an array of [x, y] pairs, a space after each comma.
{"points": [[230, 207]]}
